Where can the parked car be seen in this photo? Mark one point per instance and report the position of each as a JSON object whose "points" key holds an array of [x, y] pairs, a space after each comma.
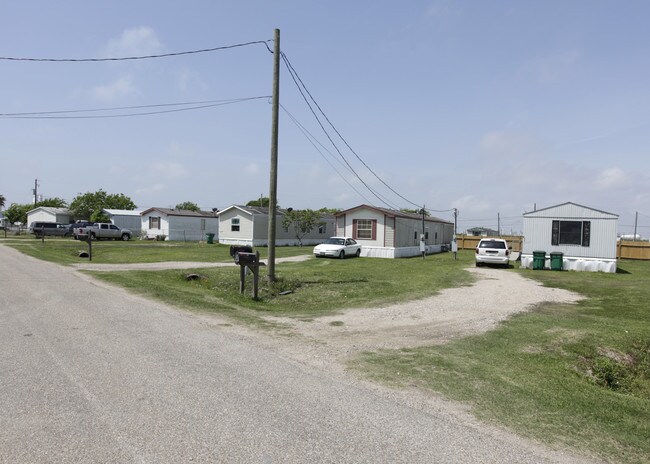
{"points": [[338, 247], [492, 251], [56, 229], [72, 227]]}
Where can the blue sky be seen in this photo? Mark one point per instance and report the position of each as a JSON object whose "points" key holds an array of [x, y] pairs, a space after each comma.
{"points": [[488, 107]]}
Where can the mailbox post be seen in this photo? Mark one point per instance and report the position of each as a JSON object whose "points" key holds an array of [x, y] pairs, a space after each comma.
{"points": [[252, 262]]}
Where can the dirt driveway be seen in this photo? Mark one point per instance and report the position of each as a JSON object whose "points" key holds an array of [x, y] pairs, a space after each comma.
{"points": [[453, 313]]}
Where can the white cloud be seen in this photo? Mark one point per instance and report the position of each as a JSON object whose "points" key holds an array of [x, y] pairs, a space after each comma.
{"points": [[611, 178], [137, 41], [471, 204], [189, 80], [170, 169], [252, 168], [121, 87], [155, 188]]}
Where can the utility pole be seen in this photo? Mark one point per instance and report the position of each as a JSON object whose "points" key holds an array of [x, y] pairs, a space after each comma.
{"points": [[499, 223], [636, 220], [455, 220], [35, 191], [273, 201]]}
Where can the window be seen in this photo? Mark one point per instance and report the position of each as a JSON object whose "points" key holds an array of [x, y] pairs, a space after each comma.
{"points": [[154, 222], [364, 229], [415, 235], [202, 224], [322, 228], [234, 225], [571, 233], [426, 234]]}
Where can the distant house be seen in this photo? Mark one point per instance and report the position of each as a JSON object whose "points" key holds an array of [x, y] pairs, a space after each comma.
{"points": [[585, 236], [249, 225], [49, 214], [482, 232], [124, 218], [386, 233], [178, 224]]}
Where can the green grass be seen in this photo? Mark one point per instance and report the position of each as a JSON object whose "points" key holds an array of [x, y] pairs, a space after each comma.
{"points": [[569, 375], [66, 250]]}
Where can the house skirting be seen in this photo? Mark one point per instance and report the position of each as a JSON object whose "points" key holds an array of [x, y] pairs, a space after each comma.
{"points": [[401, 252], [574, 263], [264, 242]]}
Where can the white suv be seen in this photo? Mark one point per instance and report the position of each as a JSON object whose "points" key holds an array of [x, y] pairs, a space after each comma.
{"points": [[492, 251]]}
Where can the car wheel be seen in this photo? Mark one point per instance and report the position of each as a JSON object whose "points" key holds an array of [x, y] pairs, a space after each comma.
{"points": [[125, 237], [478, 264], [342, 255], [93, 237], [358, 253]]}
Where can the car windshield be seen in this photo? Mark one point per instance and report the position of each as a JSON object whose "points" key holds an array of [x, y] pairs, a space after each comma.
{"points": [[334, 241], [492, 244]]}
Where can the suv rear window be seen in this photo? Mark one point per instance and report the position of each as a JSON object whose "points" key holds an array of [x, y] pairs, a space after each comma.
{"points": [[492, 244]]}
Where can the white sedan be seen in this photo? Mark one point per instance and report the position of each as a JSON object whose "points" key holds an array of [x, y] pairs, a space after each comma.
{"points": [[338, 247]]}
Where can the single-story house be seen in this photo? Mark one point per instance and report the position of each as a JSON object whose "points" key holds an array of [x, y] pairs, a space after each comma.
{"points": [[178, 224], [49, 214], [482, 232], [249, 225], [585, 236], [124, 218], [387, 233]]}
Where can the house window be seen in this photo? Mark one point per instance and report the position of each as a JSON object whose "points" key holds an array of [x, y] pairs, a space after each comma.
{"points": [[154, 222], [571, 233], [234, 225], [415, 235], [202, 224], [364, 229], [426, 234], [322, 228]]}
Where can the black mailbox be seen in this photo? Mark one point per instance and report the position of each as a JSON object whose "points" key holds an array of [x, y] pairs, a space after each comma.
{"points": [[243, 258], [234, 249]]}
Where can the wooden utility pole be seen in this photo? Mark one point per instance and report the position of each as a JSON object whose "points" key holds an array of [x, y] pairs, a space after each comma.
{"points": [[455, 220], [636, 220], [499, 224], [273, 202]]}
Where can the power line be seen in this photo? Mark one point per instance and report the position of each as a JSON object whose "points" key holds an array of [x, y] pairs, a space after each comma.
{"points": [[196, 106], [142, 57], [293, 71]]}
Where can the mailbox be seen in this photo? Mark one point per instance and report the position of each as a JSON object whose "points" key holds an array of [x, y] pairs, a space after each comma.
{"points": [[243, 258], [234, 249]]}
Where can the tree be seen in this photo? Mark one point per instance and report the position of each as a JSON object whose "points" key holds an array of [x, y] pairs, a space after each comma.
{"points": [[331, 211], [301, 221], [188, 205], [415, 211], [89, 205], [261, 201], [2, 201], [18, 213]]}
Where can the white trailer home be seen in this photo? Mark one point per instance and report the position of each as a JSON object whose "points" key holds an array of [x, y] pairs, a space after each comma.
{"points": [[49, 214], [386, 233], [179, 224], [585, 236], [125, 219], [249, 225]]}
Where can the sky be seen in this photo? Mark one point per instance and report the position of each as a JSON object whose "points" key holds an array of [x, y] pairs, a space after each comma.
{"points": [[492, 108]]}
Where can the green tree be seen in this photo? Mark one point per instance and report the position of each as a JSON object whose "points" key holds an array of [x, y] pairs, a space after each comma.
{"points": [[262, 201], [301, 221], [415, 211], [331, 211], [2, 201], [188, 205], [18, 212], [89, 205]]}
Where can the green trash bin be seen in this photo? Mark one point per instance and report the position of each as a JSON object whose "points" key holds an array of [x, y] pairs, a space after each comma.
{"points": [[556, 260], [210, 238], [539, 257]]}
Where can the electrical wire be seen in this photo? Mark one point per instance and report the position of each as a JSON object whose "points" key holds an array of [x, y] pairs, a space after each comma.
{"points": [[292, 69], [143, 57], [197, 105]]}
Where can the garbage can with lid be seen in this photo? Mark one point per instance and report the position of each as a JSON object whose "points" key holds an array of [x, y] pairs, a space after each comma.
{"points": [[210, 238], [556, 260], [539, 257]]}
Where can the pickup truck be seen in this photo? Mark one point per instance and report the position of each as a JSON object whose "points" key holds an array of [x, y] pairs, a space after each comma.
{"points": [[102, 230]]}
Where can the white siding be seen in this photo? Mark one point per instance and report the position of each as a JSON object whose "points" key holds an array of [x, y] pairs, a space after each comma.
{"points": [[242, 237], [152, 233], [189, 228], [133, 223]]}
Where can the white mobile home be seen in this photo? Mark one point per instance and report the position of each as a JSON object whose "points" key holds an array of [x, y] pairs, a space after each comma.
{"points": [[585, 236], [124, 218], [386, 233], [179, 224], [49, 214], [249, 225]]}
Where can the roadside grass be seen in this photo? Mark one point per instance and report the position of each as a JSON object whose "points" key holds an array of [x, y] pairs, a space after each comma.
{"points": [[66, 250], [316, 286], [568, 375]]}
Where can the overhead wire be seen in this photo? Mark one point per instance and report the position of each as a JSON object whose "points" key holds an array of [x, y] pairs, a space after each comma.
{"points": [[195, 106], [141, 57]]}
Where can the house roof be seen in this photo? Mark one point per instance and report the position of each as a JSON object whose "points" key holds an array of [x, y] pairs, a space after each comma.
{"points": [[50, 209], [252, 210], [569, 203], [182, 212], [393, 213], [122, 212]]}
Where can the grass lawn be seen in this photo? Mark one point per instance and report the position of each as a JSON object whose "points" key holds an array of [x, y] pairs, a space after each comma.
{"points": [[66, 250], [576, 375]]}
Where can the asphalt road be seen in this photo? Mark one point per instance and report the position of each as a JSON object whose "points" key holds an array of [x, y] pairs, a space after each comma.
{"points": [[89, 373]]}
